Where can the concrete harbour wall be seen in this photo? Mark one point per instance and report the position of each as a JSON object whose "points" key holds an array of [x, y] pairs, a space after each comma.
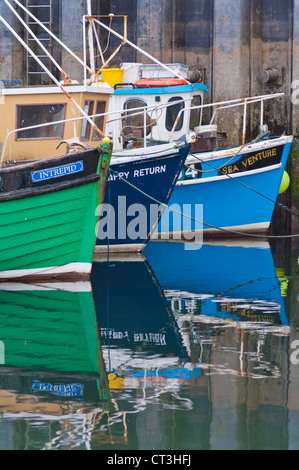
{"points": [[240, 47]]}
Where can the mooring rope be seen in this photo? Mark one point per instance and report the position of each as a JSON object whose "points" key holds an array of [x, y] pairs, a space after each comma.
{"points": [[199, 221], [279, 204]]}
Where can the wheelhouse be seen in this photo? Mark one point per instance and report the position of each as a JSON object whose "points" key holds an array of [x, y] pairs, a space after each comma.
{"points": [[35, 120], [154, 109]]}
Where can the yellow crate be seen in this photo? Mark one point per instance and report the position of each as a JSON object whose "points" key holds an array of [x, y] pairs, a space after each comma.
{"points": [[113, 76]]}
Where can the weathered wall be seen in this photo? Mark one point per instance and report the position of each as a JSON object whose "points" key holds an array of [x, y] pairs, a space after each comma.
{"points": [[234, 43], [11, 52]]}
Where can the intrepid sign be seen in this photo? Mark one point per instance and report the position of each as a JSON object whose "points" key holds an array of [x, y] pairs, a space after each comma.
{"points": [[57, 172]]}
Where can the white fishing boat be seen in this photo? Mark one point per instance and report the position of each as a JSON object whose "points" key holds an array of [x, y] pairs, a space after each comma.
{"points": [[225, 190]]}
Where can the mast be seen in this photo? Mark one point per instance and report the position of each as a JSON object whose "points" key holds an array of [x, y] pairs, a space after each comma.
{"points": [[43, 66], [90, 37]]}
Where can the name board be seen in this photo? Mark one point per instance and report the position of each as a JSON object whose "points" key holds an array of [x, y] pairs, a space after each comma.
{"points": [[138, 173], [253, 161], [58, 172], [62, 390]]}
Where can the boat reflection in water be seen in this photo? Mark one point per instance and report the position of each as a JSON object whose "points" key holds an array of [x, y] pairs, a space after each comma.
{"points": [[178, 322], [52, 367], [224, 284], [93, 364], [151, 311], [145, 305], [228, 280], [137, 328]]}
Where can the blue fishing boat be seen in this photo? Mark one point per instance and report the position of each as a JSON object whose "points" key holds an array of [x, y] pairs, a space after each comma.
{"points": [[139, 186], [225, 188], [224, 280], [235, 192]]}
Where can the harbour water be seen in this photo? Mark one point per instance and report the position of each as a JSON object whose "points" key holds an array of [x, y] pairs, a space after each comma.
{"points": [[174, 350]]}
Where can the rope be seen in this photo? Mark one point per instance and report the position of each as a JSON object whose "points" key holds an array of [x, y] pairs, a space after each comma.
{"points": [[254, 141], [279, 204], [198, 221]]}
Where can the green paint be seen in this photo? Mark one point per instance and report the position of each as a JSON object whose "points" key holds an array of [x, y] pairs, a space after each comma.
{"points": [[52, 229], [51, 330], [48, 230], [295, 177]]}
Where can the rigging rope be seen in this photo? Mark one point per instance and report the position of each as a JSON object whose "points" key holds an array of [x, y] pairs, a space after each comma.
{"points": [[199, 221]]}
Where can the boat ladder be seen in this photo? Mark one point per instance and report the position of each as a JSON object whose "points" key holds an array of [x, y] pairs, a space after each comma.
{"points": [[43, 11]]}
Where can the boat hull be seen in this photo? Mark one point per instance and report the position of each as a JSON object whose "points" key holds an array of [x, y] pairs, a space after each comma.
{"points": [[137, 190], [227, 204], [47, 223], [226, 279]]}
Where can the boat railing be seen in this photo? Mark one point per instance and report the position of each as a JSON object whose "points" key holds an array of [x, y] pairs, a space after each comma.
{"points": [[122, 114], [229, 104], [110, 116]]}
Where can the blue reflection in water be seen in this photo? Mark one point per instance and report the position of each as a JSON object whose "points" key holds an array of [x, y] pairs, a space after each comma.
{"points": [[194, 346]]}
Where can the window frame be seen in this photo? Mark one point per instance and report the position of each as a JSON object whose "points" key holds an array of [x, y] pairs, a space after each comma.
{"points": [[199, 110], [100, 125], [127, 111], [92, 112], [85, 122], [181, 121], [19, 106]]}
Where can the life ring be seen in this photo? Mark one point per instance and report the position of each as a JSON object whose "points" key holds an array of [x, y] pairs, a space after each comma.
{"points": [[160, 82]]}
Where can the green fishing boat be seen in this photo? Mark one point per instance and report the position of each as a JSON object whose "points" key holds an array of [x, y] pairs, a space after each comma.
{"points": [[48, 214], [49, 333]]}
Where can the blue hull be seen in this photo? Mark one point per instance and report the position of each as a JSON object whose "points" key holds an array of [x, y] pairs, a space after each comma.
{"points": [[143, 323], [236, 197], [135, 191], [236, 282]]}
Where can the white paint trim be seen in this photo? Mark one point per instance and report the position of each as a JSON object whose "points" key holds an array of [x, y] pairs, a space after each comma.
{"points": [[131, 257], [49, 90], [125, 248], [77, 268], [259, 227], [144, 153], [231, 175], [83, 286], [228, 242]]}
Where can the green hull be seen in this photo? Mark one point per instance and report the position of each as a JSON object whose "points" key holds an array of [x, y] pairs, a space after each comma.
{"points": [[48, 215], [48, 331], [51, 230]]}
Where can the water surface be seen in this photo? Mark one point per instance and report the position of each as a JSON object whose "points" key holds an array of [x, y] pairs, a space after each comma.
{"points": [[173, 350]]}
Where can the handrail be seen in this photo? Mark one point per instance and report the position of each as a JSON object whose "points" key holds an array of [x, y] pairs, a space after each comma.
{"points": [[143, 110], [133, 112], [229, 103]]}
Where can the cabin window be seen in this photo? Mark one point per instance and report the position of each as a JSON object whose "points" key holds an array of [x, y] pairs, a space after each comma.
{"points": [[195, 115], [31, 115], [172, 113], [99, 120], [131, 104], [132, 123], [86, 126], [91, 108]]}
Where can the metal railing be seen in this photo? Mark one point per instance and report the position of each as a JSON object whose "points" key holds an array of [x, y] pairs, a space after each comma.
{"points": [[121, 115], [229, 104]]}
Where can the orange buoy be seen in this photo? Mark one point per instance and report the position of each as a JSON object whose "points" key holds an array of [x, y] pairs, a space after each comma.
{"points": [[160, 82]]}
